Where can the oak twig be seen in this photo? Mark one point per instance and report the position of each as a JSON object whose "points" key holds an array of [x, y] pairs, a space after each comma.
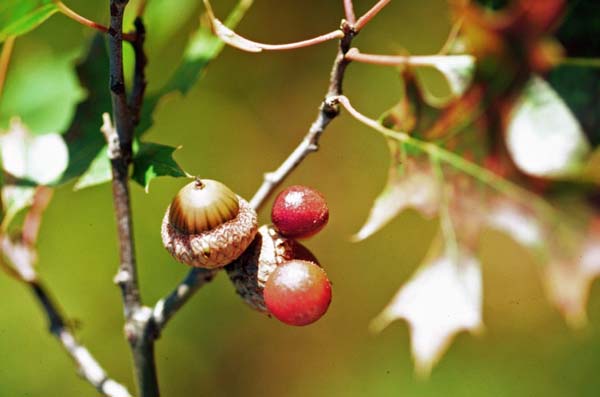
{"points": [[69, 13], [369, 15], [139, 327], [326, 114], [168, 306], [349, 11], [89, 368]]}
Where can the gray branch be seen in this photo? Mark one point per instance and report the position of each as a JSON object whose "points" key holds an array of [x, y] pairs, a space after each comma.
{"points": [[139, 327], [168, 306], [89, 368], [22, 258], [310, 143]]}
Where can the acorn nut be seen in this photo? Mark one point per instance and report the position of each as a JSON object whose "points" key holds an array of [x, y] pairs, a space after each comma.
{"points": [[250, 272], [207, 225]]}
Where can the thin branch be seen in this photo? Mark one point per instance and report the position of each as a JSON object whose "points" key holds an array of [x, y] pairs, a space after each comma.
{"points": [[5, 60], [139, 329], [401, 60], [369, 15], [66, 11], [89, 368], [22, 257], [235, 40], [167, 307], [310, 143], [121, 112], [349, 11], [120, 158]]}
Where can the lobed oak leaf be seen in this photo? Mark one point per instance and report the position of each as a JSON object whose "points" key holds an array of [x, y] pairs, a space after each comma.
{"points": [[410, 184], [568, 279], [443, 298]]}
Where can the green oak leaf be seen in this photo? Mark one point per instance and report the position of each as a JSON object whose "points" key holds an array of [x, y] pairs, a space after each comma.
{"points": [[153, 160], [99, 172], [87, 149], [84, 139], [42, 90], [18, 17], [202, 48]]}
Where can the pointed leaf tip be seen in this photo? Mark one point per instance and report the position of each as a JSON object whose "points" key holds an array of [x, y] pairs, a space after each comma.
{"points": [[443, 298], [409, 185]]}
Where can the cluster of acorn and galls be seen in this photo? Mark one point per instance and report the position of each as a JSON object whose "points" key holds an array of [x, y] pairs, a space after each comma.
{"points": [[209, 226]]}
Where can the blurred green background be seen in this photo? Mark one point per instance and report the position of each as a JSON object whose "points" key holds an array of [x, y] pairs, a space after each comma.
{"points": [[243, 118]]}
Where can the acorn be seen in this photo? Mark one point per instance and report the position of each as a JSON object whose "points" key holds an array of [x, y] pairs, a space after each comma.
{"points": [[269, 250], [207, 225]]}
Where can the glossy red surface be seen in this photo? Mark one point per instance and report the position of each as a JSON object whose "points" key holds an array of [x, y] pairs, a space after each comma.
{"points": [[298, 293], [299, 212]]}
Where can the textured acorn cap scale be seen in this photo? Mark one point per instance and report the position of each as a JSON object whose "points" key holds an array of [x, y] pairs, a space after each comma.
{"points": [[207, 225], [250, 272]]}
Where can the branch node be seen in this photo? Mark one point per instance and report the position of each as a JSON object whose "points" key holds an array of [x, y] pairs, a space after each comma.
{"points": [[111, 136], [122, 277], [270, 177]]}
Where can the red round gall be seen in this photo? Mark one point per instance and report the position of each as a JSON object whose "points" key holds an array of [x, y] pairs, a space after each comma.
{"points": [[299, 212], [297, 293]]}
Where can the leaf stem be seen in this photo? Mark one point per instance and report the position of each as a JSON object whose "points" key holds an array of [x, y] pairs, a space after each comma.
{"points": [[369, 15], [447, 226], [230, 37], [481, 174], [349, 12], [401, 60], [7, 49], [68, 12]]}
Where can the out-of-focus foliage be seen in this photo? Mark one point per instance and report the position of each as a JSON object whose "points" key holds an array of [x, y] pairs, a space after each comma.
{"points": [[18, 17], [242, 120], [512, 122], [42, 90]]}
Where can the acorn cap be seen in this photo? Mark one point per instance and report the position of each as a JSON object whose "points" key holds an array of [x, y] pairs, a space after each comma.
{"points": [[207, 225], [252, 269]]}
